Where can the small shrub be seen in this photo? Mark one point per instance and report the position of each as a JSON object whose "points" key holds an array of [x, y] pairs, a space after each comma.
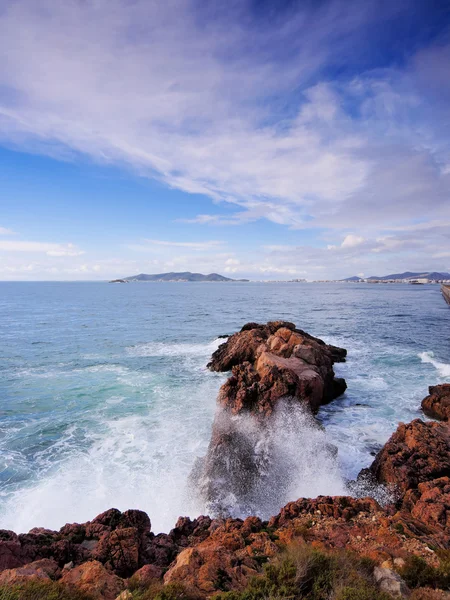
{"points": [[364, 591], [418, 573], [426, 594], [41, 590], [306, 573], [170, 591]]}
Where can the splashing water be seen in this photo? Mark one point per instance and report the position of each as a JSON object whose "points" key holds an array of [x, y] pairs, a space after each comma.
{"points": [[105, 399]]}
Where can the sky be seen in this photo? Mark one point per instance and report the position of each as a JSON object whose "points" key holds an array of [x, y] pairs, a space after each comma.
{"points": [[268, 139]]}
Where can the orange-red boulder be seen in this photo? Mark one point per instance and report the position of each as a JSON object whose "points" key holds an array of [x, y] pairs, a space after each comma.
{"points": [[416, 453], [272, 361], [44, 569], [92, 578], [437, 404], [430, 503]]}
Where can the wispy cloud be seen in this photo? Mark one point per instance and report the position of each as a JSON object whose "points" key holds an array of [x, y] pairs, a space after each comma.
{"points": [[283, 119], [168, 96], [197, 246], [49, 249], [5, 231]]}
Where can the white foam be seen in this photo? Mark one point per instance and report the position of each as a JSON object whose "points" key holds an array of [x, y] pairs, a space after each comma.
{"points": [[130, 462], [443, 369], [164, 349]]}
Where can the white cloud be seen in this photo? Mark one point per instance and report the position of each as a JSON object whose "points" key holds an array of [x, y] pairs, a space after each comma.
{"points": [[352, 240], [150, 245], [5, 231], [49, 249], [148, 85], [256, 126]]}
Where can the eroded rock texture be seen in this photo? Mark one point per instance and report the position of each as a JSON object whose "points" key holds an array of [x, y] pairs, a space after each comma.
{"points": [[437, 404], [276, 360]]}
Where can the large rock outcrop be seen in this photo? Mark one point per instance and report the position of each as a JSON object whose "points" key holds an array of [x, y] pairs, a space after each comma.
{"points": [[276, 360], [272, 365], [437, 404]]}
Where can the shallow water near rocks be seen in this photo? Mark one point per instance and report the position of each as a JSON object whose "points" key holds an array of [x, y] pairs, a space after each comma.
{"points": [[105, 399]]}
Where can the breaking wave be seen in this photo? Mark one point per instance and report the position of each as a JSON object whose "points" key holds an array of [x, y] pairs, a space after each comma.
{"points": [[443, 369]]}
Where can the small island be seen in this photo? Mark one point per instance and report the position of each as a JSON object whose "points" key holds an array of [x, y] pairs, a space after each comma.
{"points": [[185, 276]]}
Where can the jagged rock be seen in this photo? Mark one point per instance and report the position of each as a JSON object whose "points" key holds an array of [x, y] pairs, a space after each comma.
{"points": [[390, 582], [437, 404], [272, 365], [44, 569], [119, 550], [147, 575], [416, 453], [430, 503], [92, 577], [187, 531], [338, 507], [226, 560], [273, 361]]}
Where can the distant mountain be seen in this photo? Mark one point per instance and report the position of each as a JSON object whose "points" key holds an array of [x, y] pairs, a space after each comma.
{"points": [[185, 276], [405, 275]]}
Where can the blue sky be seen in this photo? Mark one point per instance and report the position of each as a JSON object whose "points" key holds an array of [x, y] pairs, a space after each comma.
{"points": [[262, 139]]}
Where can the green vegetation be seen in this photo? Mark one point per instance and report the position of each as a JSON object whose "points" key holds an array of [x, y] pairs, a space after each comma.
{"points": [[305, 573], [417, 573], [41, 590], [158, 591]]}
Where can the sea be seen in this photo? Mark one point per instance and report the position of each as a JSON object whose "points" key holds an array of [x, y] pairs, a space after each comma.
{"points": [[106, 401]]}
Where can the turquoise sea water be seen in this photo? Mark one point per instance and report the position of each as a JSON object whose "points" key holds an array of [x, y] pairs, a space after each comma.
{"points": [[105, 399]]}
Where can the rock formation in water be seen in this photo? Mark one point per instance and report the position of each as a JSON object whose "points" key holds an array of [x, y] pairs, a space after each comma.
{"points": [[269, 364], [272, 361], [437, 404], [117, 552]]}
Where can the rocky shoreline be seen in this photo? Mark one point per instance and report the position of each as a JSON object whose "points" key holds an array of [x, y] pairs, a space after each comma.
{"points": [[273, 365]]}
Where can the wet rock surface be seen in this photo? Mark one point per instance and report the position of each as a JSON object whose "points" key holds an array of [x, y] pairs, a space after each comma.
{"points": [[437, 404]]}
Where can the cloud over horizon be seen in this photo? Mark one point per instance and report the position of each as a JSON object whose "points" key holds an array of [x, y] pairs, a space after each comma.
{"points": [[312, 117]]}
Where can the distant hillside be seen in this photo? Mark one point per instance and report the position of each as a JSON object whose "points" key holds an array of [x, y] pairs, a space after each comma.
{"points": [[405, 275], [185, 276]]}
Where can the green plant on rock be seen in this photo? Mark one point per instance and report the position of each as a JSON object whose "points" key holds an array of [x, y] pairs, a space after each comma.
{"points": [[171, 591], [41, 590], [418, 573], [306, 573]]}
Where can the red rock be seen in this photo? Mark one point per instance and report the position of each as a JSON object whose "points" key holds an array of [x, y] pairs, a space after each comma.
{"points": [[437, 404], [209, 568], [39, 570], [273, 361], [147, 575], [119, 551], [415, 453], [12, 554], [269, 363], [92, 577], [430, 503]]}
